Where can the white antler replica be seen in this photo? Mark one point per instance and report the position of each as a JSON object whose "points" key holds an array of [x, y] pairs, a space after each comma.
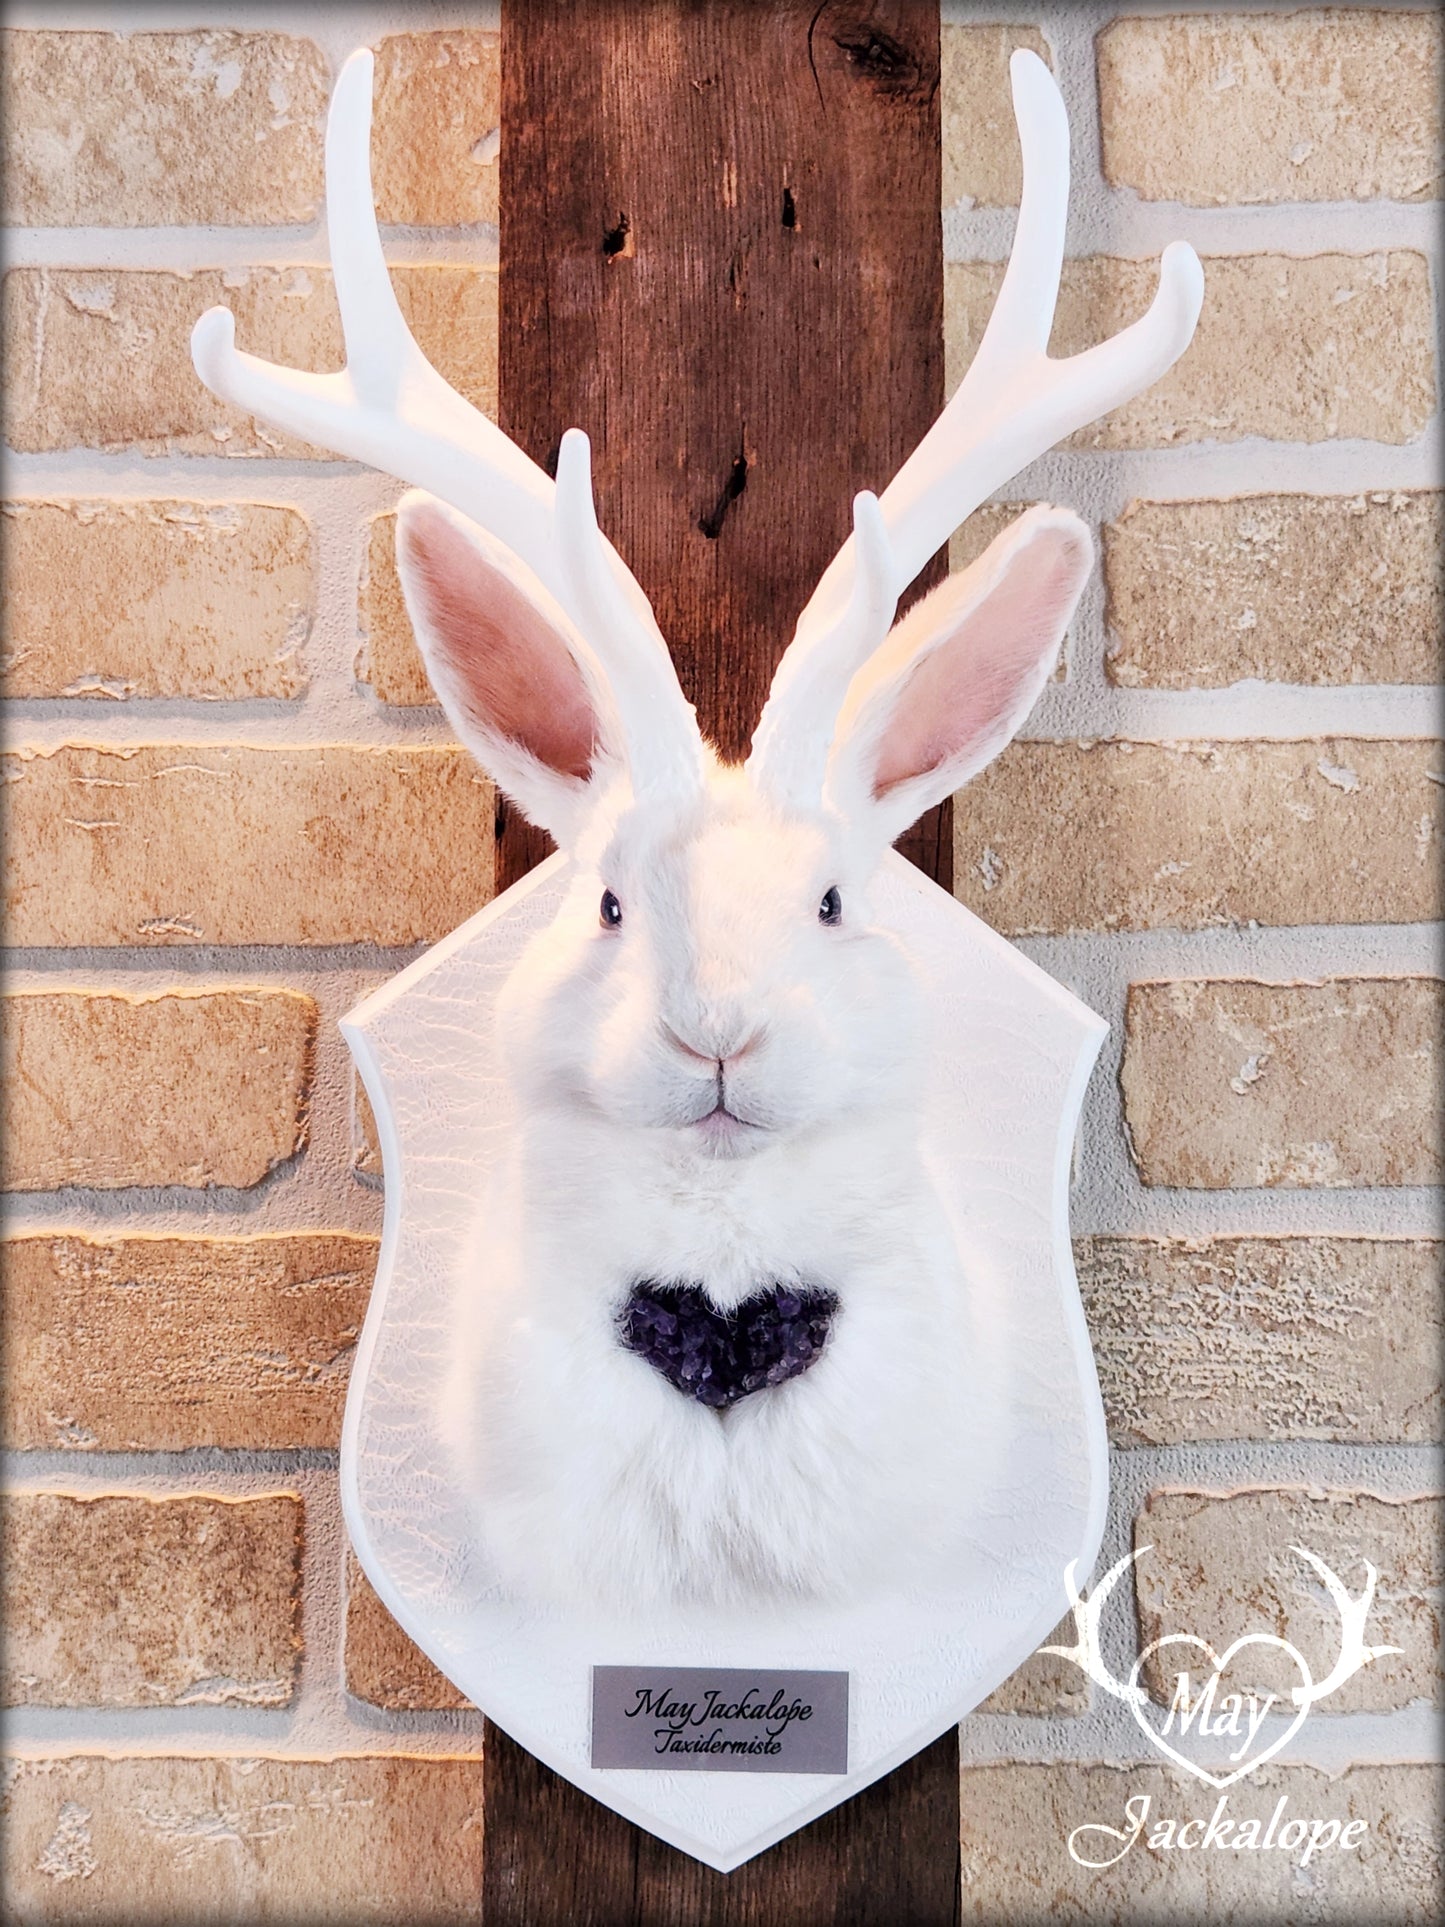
{"points": [[1013, 405], [388, 407]]}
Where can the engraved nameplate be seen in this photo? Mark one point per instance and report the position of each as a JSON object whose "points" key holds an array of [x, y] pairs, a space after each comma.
{"points": [[719, 1720]]}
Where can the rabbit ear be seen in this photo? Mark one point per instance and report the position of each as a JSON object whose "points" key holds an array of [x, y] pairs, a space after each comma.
{"points": [[958, 675], [518, 683]]}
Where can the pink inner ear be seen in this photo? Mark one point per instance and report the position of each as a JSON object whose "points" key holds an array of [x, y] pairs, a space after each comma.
{"points": [[966, 698], [508, 669]]}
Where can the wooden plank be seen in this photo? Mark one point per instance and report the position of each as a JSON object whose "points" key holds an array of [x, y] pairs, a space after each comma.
{"points": [[554, 1858], [721, 257]]}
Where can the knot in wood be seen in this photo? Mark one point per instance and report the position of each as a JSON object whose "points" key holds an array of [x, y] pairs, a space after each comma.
{"points": [[886, 64]]}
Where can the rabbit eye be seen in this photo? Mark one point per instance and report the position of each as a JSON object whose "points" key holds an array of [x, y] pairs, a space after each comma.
{"points": [[830, 910], [610, 914]]}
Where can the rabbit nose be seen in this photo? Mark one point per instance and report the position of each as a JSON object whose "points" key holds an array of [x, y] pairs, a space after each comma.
{"points": [[744, 1049], [681, 1043], [725, 1054]]}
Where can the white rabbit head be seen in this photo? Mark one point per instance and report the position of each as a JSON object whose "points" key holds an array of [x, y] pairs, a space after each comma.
{"points": [[739, 990], [716, 971]]}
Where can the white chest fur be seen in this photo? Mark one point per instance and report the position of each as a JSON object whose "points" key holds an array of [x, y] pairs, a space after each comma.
{"points": [[597, 1478]]}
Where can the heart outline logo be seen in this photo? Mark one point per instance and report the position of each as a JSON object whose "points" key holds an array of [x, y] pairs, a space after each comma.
{"points": [[1139, 1699]]}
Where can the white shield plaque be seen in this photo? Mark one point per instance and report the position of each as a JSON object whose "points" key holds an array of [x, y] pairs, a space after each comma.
{"points": [[1012, 1053]]}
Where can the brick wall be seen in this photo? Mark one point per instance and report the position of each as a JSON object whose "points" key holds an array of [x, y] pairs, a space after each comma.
{"points": [[233, 810], [1222, 831], [225, 825]]}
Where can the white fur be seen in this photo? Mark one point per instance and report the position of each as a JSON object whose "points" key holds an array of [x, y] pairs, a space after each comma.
{"points": [[593, 1477]]}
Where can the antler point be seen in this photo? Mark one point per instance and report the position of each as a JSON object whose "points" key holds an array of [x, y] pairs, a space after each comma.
{"points": [[213, 341], [1023, 60]]}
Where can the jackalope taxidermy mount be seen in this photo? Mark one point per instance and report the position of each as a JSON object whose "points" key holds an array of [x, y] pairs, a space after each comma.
{"points": [[717, 1339]]}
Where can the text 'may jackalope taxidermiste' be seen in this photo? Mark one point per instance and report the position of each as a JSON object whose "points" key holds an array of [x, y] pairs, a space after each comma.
{"points": [[713, 1322]]}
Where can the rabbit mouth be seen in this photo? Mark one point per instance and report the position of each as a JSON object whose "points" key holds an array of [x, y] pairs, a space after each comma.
{"points": [[724, 1133]]}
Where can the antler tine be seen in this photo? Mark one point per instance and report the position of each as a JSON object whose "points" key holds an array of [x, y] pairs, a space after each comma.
{"points": [[1015, 401], [790, 747], [388, 407], [379, 344], [1023, 313]]}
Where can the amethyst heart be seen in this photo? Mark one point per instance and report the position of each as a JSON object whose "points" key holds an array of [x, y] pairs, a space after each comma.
{"points": [[718, 1357]]}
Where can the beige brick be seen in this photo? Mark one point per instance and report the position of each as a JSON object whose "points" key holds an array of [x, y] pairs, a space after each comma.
{"points": [[1337, 104], [1017, 1820], [195, 1088], [1196, 1339], [1134, 836], [1222, 1564], [1296, 349], [438, 121], [1286, 588], [981, 166], [982, 527], [390, 661], [106, 360], [181, 1842], [160, 1344], [120, 1601], [149, 129], [1230, 1082], [383, 1666], [114, 599], [1044, 1686], [231, 843]]}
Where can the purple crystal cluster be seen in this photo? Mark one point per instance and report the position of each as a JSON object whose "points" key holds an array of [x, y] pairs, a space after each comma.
{"points": [[719, 1357]]}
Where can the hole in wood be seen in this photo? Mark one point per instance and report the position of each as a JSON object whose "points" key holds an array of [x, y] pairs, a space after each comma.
{"points": [[732, 488], [790, 208], [618, 240]]}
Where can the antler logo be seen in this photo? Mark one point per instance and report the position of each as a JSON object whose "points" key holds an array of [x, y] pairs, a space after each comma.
{"points": [[1200, 1708]]}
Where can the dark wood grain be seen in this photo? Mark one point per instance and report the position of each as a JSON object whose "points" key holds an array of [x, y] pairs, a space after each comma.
{"points": [[886, 1858], [721, 257]]}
